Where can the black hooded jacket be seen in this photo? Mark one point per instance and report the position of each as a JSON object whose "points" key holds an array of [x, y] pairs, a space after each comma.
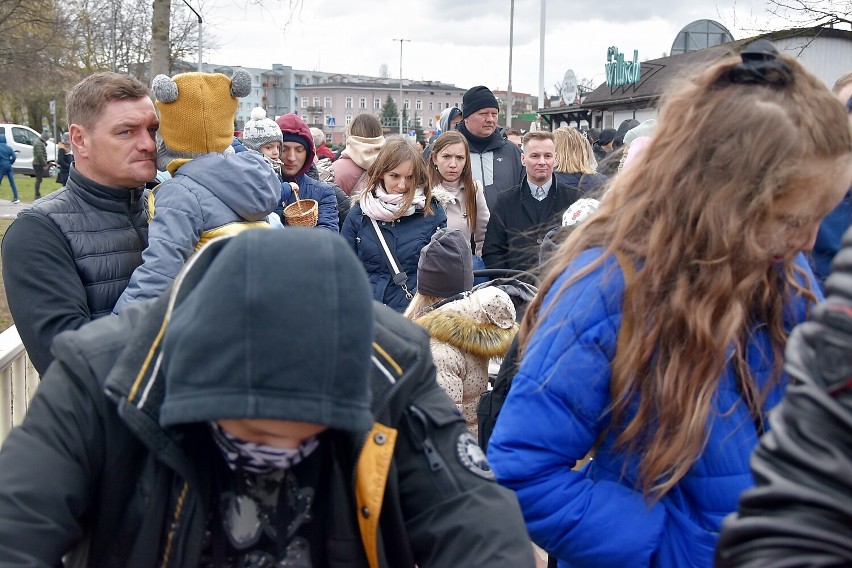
{"points": [[800, 511], [94, 470]]}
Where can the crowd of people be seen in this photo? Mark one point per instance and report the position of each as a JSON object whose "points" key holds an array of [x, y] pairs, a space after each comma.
{"points": [[275, 357]]}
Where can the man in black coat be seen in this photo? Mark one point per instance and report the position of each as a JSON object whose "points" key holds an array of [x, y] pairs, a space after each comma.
{"points": [[522, 215], [265, 412]]}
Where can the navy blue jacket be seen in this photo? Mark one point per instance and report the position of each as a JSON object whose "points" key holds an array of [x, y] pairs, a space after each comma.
{"points": [[405, 236]]}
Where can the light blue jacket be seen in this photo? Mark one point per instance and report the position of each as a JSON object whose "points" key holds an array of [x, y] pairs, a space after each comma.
{"points": [[216, 192], [552, 418]]}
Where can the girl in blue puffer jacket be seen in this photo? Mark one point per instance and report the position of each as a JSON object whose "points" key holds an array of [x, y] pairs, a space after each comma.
{"points": [[715, 225]]}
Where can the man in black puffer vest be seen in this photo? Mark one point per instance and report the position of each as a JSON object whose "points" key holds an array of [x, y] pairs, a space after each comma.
{"points": [[68, 257]]}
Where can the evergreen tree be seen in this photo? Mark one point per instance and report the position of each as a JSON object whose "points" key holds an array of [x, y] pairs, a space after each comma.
{"points": [[390, 114]]}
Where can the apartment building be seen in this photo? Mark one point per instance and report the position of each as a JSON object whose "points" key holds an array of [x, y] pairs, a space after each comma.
{"points": [[330, 101], [333, 105]]}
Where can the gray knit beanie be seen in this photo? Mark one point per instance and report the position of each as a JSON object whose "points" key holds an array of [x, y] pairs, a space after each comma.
{"points": [[259, 130], [445, 267]]}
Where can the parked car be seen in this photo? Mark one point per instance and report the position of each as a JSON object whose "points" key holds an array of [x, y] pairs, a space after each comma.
{"points": [[21, 139]]}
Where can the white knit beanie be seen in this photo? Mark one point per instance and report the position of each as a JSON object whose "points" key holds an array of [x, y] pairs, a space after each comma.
{"points": [[259, 130]]}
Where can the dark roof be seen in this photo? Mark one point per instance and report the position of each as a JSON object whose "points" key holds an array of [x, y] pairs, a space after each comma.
{"points": [[658, 74]]}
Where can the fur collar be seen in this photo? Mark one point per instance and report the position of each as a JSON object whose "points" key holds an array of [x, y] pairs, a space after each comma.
{"points": [[463, 332]]}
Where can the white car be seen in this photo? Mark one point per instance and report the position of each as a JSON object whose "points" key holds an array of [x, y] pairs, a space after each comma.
{"points": [[21, 139]]}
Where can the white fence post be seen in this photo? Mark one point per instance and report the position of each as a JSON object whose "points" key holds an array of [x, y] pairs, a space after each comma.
{"points": [[18, 381]]}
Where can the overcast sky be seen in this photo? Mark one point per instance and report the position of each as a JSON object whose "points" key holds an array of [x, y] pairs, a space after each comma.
{"points": [[463, 42]]}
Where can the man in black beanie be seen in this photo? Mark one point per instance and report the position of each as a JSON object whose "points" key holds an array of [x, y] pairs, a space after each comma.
{"points": [[496, 162], [265, 412]]}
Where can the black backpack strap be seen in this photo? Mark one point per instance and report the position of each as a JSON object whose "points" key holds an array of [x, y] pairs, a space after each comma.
{"points": [[400, 278]]}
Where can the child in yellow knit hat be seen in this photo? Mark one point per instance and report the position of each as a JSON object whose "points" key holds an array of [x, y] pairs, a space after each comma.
{"points": [[213, 190]]}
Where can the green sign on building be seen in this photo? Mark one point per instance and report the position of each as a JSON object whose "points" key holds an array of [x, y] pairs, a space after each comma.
{"points": [[621, 72]]}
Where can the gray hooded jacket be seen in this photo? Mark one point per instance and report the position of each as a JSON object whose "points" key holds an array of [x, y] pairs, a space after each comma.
{"points": [[210, 196]]}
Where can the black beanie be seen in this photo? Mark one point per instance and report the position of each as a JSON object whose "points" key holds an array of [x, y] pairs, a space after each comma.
{"points": [[478, 98], [279, 325], [445, 267], [293, 137]]}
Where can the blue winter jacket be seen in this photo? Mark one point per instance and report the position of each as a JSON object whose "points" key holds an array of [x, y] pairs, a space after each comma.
{"points": [[552, 418], [208, 196], [321, 192], [7, 155], [405, 236]]}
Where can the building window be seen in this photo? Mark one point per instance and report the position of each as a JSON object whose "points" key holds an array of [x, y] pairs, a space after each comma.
{"points": [[377, 103], [418, 104], [406, 104], [431, 122], [348, 102], [446, 105], [348, 119], [328, 137], [316, 101], [362, 102], [315, 119], [304, 102], [419, 121], [327, 102], [431, 105]]}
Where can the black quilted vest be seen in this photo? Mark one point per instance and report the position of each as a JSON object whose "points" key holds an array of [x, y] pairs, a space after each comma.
{"points": [[106, 229]]}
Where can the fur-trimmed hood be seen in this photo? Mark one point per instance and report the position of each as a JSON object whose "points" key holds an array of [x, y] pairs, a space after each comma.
{"points": [[482, 323]]}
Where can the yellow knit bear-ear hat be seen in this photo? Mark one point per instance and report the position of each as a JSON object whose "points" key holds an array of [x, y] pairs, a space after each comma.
{"points": [[197, 113]]}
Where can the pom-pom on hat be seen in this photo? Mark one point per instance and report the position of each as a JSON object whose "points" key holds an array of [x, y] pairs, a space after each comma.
{"points": [[478, 98], [259, 130], [445, 267], [197, 113]]}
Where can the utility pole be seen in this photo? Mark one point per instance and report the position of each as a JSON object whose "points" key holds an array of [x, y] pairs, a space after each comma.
{"points": [[541, 58], [401, 105], [509, 93], [197, 15]]}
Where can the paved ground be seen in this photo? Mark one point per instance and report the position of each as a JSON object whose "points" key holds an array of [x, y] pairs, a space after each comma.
{"points": [[8, 210]]}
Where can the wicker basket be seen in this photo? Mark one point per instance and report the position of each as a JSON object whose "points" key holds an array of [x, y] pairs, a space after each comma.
{"points": [[302, 213]]}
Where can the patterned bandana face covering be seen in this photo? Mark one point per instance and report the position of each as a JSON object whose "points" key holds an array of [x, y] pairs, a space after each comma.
{"points": [[258, 458]]}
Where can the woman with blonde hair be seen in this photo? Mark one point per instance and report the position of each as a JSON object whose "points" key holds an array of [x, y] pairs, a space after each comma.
{"points": [[451, 180], [391, 220], [575, 161], [364, 139], [708, 282]]}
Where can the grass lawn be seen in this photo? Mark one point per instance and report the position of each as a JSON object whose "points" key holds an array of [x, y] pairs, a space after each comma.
{"points": [[26, 187]]}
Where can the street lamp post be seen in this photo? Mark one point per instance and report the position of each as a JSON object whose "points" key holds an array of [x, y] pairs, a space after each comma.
{"points": [[197, 15], [511, 41], [401, 105]]}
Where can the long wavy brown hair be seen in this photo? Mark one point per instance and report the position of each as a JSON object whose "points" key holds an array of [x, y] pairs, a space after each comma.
{"points": [[445, 139], [396, 151], [692, 217]]}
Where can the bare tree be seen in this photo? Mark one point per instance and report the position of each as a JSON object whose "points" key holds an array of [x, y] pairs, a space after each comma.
{"points": [[160, 27], [160, 37], [812, 13]]}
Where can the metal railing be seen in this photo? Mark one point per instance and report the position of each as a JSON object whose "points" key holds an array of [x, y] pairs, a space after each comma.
{"points": [[18, 381]]}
